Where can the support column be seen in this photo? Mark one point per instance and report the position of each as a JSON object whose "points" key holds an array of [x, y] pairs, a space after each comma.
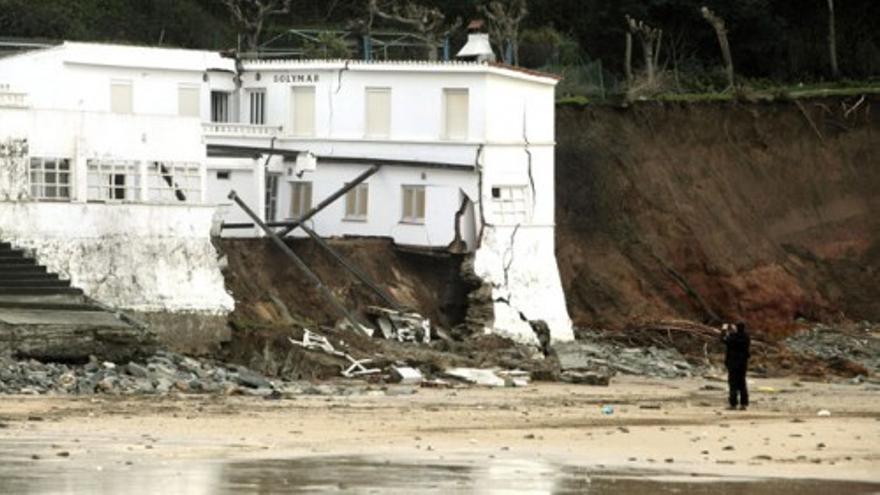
{"points": [[80, 173], [260, 189]]}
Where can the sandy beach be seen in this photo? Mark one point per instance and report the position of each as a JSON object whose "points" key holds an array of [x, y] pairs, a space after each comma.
{"points": [[678, 426]]}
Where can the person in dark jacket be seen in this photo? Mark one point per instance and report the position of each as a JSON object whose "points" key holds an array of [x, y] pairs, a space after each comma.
{"points": [[736, 359]]}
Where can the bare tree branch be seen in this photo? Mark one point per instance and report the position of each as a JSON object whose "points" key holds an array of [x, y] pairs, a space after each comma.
{"points": [[251, 16], [504, 18], [650, 38], [721, 32], [428, 24]]}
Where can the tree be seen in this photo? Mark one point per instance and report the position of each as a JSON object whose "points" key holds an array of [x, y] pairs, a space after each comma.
{"points": [[651, 39], [721, 32], [428, 23], [832, 41], [251, 16], [504, 18]]}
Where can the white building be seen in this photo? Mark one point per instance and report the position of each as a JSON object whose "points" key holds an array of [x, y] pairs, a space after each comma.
{"points": [[465, 154]]}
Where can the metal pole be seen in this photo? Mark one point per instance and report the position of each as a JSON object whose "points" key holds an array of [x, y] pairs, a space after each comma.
{"points": [[299, 263], [354, 270], [330, 199]]}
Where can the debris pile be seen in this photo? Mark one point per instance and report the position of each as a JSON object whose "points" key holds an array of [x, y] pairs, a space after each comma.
{"points": [[161, 373], [859, 345], [594, 362]]}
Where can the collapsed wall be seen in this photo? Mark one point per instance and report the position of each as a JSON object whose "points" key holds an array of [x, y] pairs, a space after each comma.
{"points": [[518, 266], [762, 211], [156, 261]]}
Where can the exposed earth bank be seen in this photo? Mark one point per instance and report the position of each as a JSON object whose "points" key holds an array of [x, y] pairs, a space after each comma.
{"points": [[764, 211]]}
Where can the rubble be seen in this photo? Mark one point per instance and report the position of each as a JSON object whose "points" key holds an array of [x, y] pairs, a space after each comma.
{"points": [[594, 362], [160, 374], [859, 344], [401, 326]]}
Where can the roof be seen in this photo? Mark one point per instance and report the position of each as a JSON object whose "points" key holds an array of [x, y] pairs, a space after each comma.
{"points": [[184, 59], [135, 56], [452, 66]]}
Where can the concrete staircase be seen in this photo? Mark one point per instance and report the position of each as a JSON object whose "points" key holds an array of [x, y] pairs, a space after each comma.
{"points": [[43, 317]]}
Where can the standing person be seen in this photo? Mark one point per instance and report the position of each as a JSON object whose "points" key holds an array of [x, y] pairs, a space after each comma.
{"points": [[736, 359]]}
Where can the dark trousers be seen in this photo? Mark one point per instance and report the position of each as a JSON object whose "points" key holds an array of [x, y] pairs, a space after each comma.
{"points": [[736, 382]]}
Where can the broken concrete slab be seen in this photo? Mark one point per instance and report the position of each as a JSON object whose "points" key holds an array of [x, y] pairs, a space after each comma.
{"points": [[476, 376], [406, 375]]}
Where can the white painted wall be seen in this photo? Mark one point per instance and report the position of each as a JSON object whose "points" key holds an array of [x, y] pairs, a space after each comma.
{"points": [[511, 135], [137, 257]]}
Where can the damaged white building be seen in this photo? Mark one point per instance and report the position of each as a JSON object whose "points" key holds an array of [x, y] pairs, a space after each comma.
{"points": [[123, 154]]}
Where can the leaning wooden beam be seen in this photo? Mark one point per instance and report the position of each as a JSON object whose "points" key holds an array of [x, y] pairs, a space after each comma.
{"points": [[289, 226], [330, 199], [301, 265], [354, 270]]}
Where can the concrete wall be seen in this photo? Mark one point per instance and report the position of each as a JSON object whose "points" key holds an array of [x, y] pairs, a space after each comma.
{"points": [[151, 259]]}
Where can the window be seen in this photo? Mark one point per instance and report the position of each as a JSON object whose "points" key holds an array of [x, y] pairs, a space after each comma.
{"points": [[510, 204], [121, 97], [413, 204], [219, 106], [257, 98], [188, 101], [378, 112], [223, 174], [174, 181], [356, 203], [303, 118], [272, 197], [50, 178], [456, 114], [300, 199], [113, 180]]}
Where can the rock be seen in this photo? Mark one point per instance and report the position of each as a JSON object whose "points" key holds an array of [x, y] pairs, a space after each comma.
{"points": [[586, 378], [252, 379], [137, 370], [106, 385], [824, 413]]}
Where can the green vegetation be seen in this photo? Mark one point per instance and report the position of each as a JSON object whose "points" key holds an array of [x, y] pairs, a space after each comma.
{"points": [[777, 46]]}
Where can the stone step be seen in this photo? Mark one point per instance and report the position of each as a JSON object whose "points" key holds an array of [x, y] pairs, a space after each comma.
{"points": [[33, 283], [16, 260], [22, 267], [11, 300], [22, 317], [50, 306], [27, 275], [33, 291], [9, 252]]}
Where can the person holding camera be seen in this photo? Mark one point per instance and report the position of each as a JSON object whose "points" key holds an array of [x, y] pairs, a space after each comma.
{"points": [[736, 359]]}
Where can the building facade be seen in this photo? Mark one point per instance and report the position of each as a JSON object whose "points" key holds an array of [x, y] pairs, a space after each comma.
{"points": [[464, 151]]}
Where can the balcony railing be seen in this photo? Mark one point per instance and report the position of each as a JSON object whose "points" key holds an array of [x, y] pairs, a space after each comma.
{"points": [[237, 129], [13, 100]]}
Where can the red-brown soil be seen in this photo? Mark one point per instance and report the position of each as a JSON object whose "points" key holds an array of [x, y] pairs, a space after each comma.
{"points": [[765, 212]]}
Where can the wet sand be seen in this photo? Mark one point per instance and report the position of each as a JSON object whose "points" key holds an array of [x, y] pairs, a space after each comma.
{"points": [[657, 425]]}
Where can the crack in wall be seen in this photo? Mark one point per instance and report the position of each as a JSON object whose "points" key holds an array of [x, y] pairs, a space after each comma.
{"points": [[528, 154], [507, 259]]}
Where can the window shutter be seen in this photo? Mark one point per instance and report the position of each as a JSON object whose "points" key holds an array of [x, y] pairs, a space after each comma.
{"points": [[456, 113], [304, 111], [378, 108], [188, 101], [121, 97]]}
